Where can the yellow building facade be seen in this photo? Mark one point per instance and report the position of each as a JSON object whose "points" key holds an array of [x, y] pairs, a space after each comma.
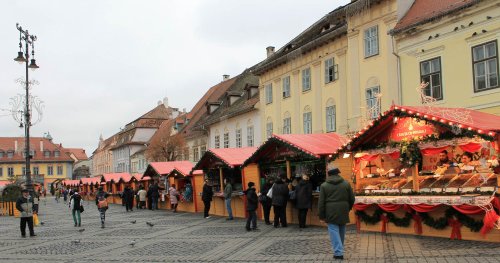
{"points": [[456, 51], [334, 76]]}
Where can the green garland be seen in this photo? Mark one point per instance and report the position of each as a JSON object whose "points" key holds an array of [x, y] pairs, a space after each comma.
{"points": [[376, 217], [440, 223], [409, 153]]}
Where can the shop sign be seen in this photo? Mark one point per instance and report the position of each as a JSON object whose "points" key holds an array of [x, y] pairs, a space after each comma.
{"points": [[410, 128]]}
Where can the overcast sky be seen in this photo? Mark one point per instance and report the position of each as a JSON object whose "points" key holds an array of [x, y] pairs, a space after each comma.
{"points": [[105, 63]]}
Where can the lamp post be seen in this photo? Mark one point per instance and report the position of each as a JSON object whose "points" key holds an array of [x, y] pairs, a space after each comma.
{"points": [[29, 40]]}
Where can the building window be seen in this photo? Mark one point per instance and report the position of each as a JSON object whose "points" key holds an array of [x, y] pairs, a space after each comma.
{"points": [[307, 122], [36, 170], [330, 118], [203, 149], [430, 72], [238, 138], [10, 171], [10, 154], [217, 141], [196, 157], [269, 93], [59, 170], [286, 87], [485, 62], [331, 70], [186, 153], [1, 171], [269, 130], [56, 154], [46, 154], [250, 138], [287, 125], [372, 102], [371, 41], [1, 154], [50, 170], [226, 140], [306, 79]]}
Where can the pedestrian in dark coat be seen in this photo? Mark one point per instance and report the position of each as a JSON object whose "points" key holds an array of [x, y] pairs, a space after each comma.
{"points": [[303, 199], [266, 201], [102, 204], [128, 198], [150, 198], [206, 196], [25, 205], [336, 199], [279, 201], [75, 203], [155, 194], [252, 203]]}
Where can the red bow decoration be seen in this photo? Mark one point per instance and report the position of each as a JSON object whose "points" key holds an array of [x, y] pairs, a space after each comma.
{"points": [[489, 221], [455, 229], [418, 224], [385, 220]]}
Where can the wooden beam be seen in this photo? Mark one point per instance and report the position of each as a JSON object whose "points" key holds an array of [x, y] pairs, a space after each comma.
{"points": [[288, 169], [221, 179]]}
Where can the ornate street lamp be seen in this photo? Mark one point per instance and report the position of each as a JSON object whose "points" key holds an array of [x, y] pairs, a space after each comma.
{"points": [[29, 40]]}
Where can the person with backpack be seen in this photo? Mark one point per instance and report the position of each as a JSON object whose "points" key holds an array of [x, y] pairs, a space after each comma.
{"points": [[252, 205], [76, 206], [102, 204]]}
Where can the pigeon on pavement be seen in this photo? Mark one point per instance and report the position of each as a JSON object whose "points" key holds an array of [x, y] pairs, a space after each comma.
{"points": [[149, 224], [81, 230], [133, 222]]}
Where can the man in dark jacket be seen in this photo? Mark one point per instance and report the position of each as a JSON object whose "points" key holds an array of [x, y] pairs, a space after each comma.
{"points": [[25, 205], [228, 193], [252, 205], [128, 198], [155, 194], [279, 201], [206, 196], [303, 199], [102, 204], [336, 199], [265, 201]]}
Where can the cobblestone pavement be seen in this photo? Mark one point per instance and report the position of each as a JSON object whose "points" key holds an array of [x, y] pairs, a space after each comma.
{"points": [[187, 237]]}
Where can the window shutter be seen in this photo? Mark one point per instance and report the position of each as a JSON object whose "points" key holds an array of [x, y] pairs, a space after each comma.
{"points": [[336, 71]]}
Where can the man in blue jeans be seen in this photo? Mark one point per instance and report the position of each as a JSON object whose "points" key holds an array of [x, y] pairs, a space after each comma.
{"points": [[336, 199], [228, 191]]}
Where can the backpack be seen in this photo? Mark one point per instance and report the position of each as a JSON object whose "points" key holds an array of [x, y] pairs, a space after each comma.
{"points": [[102, 202]]}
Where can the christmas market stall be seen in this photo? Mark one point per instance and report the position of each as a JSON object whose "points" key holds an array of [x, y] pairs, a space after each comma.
{"points": [[294, 155], [221, 166], [113, 187], [89, 186], [71, 184], [186, 180], [159, 172], [427, 170]]}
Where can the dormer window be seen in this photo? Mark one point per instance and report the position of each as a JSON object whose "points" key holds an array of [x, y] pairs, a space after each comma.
{"points": [[57, 153], [10, 154], [232, 97], [1, 154], [212, 106], [251, 90], [46, 154]]}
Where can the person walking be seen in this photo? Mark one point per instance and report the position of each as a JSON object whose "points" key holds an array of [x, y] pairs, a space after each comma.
{"points": [[228, 192], [206, 196], [303, 199], [128, 198], [25, 205], [102, 204], [336, 199], [142, 197], [252, 203], [279, 201], [266, 201], [58, 195], [174, 197], [75, 204], [155, 194], [65, 195]]}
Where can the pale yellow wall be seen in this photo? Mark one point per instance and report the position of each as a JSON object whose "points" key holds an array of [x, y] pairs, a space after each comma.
{"points": [[315, 98], [380, 69], [454, 48]]}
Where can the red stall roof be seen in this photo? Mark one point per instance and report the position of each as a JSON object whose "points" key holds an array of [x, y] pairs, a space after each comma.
{"points": [[115, 177], [184, 168], [71, 182], [314, 144], [91, 180], [164, 168], [4, 183], [231, 157]]}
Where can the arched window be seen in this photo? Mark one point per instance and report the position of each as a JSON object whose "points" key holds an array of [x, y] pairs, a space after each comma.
{"points": [[238, 135], [217, 139], [250, 133], [373, 98], [307, 119], [226, 137], [331, 115], [269, 127], [287, 123]]}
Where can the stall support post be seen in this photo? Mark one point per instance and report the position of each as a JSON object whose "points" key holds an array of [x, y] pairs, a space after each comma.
{"points": [[416, 184], [221, 180], [288, 170]]}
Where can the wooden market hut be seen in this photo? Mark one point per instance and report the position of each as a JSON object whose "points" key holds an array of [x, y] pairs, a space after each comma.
{"points": [[90, 185], [292, 155], [401, 187], [71, 184], [186, 181], [226, 163], [140, 180]]}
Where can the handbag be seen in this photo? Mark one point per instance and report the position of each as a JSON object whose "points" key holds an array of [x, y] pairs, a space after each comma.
{"points": [[36, 221], [81, 209], [270, 192]]}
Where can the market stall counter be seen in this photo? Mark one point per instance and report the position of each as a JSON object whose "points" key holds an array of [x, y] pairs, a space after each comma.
{"points": [[434, 167]]}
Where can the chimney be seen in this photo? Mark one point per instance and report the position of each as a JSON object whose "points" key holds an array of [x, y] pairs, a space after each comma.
{"points": [[225, 77], [41, 145], [165, 102], [15, 146], [270, 50]]}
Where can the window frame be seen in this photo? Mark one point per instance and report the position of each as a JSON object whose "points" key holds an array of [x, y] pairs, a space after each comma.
{"points": [[373, 116], [306, 79], [331, 70], [307, 122], [430, 74], [286, 89], [268, 93], [238, 138], [287, 129], [250, 136], [50, 170], [10, 171], [226, 140], [331, 121], [484, 60], [60, 170], [217, 142], [368, 40], [269, 130]]}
